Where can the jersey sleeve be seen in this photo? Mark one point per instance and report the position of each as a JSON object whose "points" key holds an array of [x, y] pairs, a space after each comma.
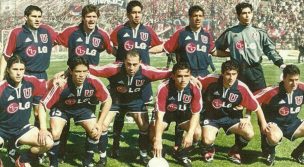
{"points": [[211, 42], [106, 39], [264, 96], [154, 38], [102, 93], [113, 35], [154, 74], [10, 46], [222, 42], [197, 102], [161, 97], [52, 97], [105, 71], [248, 100], [172, 44], [63, 37], [53, 34]]}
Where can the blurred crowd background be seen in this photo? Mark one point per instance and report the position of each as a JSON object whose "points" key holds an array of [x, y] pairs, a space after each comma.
{"points": [[282, 19]]}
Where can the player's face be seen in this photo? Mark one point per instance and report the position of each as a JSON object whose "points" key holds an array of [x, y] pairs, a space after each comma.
{"points": [[229, 77], [132, 65], [16, 72], [196, 20], [79, 74], [135, 16], [90, 21], [246, 16], [181, 78], [34, 19], [291, 82]]}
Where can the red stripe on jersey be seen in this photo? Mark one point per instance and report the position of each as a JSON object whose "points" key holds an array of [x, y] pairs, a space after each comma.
{"points": [[196, 102], [172, 44], [154, 38], [10, 46], [264, 96], [161, 96], [107, 42], [248, 100], [39, 85], [105, 71], [63, 37], [113, 35], [51, 31], [102, 93], [3, 85], [154, 74], [52, 96], [207, 80], [211, 41]]}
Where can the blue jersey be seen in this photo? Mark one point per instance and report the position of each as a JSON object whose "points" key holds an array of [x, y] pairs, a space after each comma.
{"points": [[34, 50], [124, 38], [16, 102], [279, 106], [72, 99], [80, 43]]}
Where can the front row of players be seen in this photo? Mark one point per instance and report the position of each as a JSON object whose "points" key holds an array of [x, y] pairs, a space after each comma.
{"points": [[200, 112]]}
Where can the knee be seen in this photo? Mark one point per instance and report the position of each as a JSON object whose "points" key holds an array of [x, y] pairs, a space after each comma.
{"points": [[274, 137], [105, 127], [207, 139], [49, 143], [248, 133], [56, 134]]}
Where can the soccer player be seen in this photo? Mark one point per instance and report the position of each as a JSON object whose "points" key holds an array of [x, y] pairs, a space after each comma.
{"points": [[223, 95], [178, 100], [77, 99], [133, 35], [281, 105], [127, 80], [33, 42], [17, 93]]}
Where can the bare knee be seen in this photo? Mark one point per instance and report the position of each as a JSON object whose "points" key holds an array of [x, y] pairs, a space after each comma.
{"points": [[56, 133], [208, 139]]}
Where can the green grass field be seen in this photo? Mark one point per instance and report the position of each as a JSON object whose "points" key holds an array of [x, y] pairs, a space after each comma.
{"points": [[129, 149]]}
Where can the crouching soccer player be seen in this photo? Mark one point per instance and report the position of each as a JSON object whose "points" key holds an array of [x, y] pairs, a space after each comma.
{"points": [[77, 99], [281, 105], [17, 93], [178, 100], [222, 96]]}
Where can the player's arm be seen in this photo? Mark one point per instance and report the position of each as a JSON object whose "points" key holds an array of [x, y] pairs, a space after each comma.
{"points": [[157, 143], [157, 49], [261, 118], [187, 142], [3, 65], [43, 132], [219, 53], [104, 110]]}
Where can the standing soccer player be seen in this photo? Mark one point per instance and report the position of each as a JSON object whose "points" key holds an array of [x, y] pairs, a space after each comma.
{"points": [[178, 100], [77, 99], [17, 95], [281, 105], [222, 97]]}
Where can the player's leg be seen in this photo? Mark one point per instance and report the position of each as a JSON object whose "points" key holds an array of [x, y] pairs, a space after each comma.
{"points": [[141, 119], [209, 132], [297, 153], [1, 145], [63, 140], [117, 129], [103, 140]]}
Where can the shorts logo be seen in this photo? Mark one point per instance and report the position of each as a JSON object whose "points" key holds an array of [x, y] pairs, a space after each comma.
{"points": [[27, 92], [139, 82], [95, 41], [31, 51], [121, 89], [187, 98], [44, 38], [88, 93], [240, 45], [144, 36], [129, 45], [80, 50], [233, 97], [299, 100], [190, 47], [206, 121], [284, 111], [70, 101], [204, 39], [12, 108], [217, 103], [172, 107]]}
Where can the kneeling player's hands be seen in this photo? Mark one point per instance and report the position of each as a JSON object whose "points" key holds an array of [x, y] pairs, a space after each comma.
{"points": [[187, 142], [157, 148], [244, 122], [96, 131], [42, 135]]}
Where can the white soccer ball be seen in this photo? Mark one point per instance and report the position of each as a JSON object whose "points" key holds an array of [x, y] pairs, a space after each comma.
{"points": [[158, 162]]}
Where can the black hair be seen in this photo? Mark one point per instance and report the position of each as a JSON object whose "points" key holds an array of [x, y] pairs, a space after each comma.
{"points": [[230, 65], [89, 9], [291, 70], [239, 7], [180, 66], [195, 8], [75, 61], [133, 4], [133, 53], [29, 9]]}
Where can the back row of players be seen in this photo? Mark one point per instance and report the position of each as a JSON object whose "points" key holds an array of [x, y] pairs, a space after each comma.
{"points": [[28, 51]]}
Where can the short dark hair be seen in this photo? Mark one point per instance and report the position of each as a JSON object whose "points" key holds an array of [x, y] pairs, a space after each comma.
{"points": [[240, 6], [291, 70], [29, 9], [75, 61], [133, 4], [230, 65], [133, 53], [195, 8], [180, 66], [89, 9]]}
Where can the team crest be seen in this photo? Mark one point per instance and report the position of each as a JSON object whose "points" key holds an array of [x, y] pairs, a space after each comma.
{"points": [[88, 93], [139, 82], [144, 36], [217, 103], [204, 39], [44, 38], [70, 101], [27, 92], [12, 108], [187, 98], [121, 89], [95, 41], [190, 47], [255, 35], [284, 111], [240, 45], [80, 50], [299, 100], [129, 45], [172, 107], [31, 51], [233, 97]]}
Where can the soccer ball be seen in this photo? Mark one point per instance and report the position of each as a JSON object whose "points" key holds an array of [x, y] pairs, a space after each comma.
{"points": [[158, 162]]}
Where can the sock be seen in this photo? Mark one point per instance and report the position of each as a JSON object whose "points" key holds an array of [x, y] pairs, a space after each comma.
{"points": [[90, 148], [206, 148], [103, 143], [178, 136], [300, 149], [266, 147], [53, 153], [64, 139], [143, 140], [240, 142], [117, 128], [27, 157]]}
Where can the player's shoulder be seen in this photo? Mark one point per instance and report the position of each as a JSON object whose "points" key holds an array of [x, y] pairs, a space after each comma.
{"points": [[261, 30], [164, 84], [30, 78], [16, 30], [71, 28], [119, 27], [46, 26], [210, 77], [93, 80], [270, 91]]}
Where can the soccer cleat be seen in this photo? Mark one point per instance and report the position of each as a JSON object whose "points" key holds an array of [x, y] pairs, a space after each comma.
{"points": [[102, 162], [13, 155], [298, 157], [186, 162], [208, 155], [270, 159], [234, 156], [21, 164], [144, 159]]}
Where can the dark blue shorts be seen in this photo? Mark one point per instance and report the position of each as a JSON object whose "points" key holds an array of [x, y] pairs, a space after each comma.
{"points": [[80, 115], [226, 123], [289, 129], [134, 106], [14, 136]]}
